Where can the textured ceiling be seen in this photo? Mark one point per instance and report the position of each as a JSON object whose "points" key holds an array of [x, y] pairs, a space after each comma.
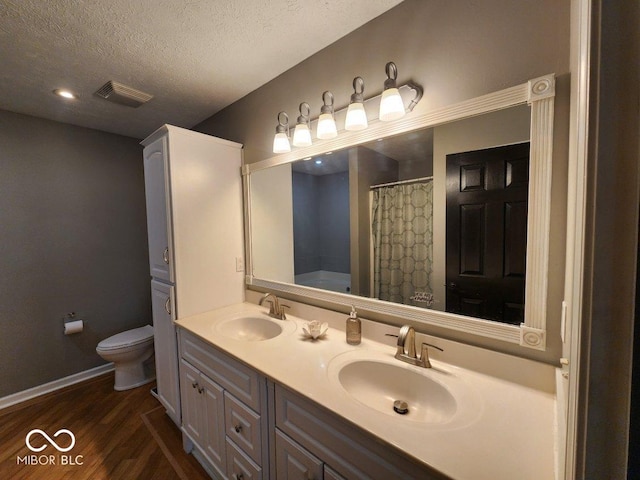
{"points": [[194, 56]]}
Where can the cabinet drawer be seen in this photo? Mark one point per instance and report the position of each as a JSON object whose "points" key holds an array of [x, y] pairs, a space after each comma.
{"points": [[330, 474], [243, 427], [293, 462], [237, 378], [351, 452], [239, 465]]}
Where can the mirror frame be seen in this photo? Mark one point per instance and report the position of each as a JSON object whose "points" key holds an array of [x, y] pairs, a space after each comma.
{"points": [[539, 94]]}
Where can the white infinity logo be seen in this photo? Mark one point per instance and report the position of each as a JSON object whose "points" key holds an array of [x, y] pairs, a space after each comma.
{"points": [[51, 441]]}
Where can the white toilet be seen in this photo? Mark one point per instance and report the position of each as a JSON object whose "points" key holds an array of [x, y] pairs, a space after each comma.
{"points": [[132, 355]]}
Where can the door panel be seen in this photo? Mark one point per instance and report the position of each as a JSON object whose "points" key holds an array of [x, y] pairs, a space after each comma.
{"points": [[487, 194], [158, 222], [166, 348], [192, 412]]}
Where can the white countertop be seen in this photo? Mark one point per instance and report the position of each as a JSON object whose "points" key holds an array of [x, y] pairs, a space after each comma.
{"points": [[505, 429]]}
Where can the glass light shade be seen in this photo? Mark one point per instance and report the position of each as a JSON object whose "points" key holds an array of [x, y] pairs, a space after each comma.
{"points": [[301, 136], [326, 127], [281, 143], [356, 117], [391, 105]]}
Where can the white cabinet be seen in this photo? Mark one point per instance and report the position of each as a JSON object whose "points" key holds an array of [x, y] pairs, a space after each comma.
{"points": [[294, 462], [203, 413], [223, 411], [156, 184], [194, 222], [166, 350], [305, 431]]}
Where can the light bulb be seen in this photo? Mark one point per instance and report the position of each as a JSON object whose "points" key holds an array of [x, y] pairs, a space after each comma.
{"points": [[281, 139], [326, 127], [391, 105], [301, 136], [281, 143], [356, 117]]}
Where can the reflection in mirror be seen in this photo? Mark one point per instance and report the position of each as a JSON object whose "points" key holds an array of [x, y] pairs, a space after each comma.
{"points": [[434, 218]]}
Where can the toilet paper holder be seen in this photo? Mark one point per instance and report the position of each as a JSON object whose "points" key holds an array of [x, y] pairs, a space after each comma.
{"points": [[71, 325]]}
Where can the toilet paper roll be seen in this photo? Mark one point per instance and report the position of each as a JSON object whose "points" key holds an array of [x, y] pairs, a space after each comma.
{"points": [[73, 327]]}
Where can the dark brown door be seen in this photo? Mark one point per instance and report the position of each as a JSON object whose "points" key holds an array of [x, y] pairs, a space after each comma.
{"points": [[487, 232]]}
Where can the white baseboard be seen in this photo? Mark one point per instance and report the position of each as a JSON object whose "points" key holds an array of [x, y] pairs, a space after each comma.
{"points": [[53, 386]]}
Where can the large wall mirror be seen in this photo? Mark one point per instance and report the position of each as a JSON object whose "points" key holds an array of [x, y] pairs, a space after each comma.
{"points": [[441, 217]]}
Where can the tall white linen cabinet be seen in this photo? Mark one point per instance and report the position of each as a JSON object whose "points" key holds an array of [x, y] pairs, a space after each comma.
{"points": [[193, 192]]}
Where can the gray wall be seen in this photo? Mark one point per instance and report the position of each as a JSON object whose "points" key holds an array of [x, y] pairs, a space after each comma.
{"points": [[72, 216], [306, 240], [321, 222], [455, 50], [333, 222]]}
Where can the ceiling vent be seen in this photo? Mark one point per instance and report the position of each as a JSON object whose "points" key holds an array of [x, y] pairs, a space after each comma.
{"points": [[122, 94]]}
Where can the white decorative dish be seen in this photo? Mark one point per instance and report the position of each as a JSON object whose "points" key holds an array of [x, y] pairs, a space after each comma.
{"points": [[314, 329]]}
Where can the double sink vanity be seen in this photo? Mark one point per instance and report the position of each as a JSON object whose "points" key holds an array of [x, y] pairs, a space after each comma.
{"points": [[261, 399]]}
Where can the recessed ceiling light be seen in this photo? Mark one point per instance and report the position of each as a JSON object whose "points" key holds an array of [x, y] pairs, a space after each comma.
{"points": [[64, 93], [318, 162]]}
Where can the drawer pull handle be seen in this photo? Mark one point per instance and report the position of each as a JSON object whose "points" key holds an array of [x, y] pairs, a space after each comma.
{"points": [[237, 428], [165, 255], [167, 305]]}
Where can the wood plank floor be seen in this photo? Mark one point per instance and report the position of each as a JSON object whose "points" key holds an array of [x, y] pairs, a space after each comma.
{"points": [[119, 435]]}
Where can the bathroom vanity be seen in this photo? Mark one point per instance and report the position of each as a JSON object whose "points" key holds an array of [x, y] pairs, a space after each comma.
{"points": [[261, 400]]}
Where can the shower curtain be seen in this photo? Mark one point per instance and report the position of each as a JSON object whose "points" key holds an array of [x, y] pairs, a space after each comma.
{"points": [[402, 228]]}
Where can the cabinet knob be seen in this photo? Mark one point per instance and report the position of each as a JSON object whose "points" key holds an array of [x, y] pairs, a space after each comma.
{"points": [[238, 428], [200, 389], [194, 384], [165, 255], [238, 476]]}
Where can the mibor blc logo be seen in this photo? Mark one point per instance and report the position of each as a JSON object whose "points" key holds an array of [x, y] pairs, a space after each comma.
{"points": [[63, 441]]}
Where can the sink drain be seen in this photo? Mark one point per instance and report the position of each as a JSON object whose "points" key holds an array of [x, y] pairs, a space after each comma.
{"points": [[401, 407]]}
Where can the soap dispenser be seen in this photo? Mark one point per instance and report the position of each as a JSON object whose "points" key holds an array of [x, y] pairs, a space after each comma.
{"points": [[354, 328]]}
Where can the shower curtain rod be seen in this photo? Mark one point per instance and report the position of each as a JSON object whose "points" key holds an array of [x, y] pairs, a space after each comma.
{"points": [[402, 182]]}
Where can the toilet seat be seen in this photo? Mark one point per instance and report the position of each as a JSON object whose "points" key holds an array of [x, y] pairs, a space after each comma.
{"points": [[127, 339]]}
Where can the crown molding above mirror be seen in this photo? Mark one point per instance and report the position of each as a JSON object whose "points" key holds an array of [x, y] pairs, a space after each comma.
{"points": [[539, 94]]}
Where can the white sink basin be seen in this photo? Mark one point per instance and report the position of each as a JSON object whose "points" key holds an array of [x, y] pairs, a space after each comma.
{"points": [[379, 384], [250, 329], [434, 396]]}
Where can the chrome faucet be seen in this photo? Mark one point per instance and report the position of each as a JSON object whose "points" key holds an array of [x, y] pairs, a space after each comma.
{"points": [[406, 348], [276, 310]]}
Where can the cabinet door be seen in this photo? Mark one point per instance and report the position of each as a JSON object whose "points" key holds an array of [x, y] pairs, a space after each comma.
{"points": [[213, 406], [166, 348], [156, 176], [193, 412], [294, 462], [331, 474]]}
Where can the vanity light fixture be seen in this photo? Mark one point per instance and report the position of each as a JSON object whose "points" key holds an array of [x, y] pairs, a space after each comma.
{"points": [[302, 133], [281, 140], [326, 123], [391, 107], [356, 115], [64, 93], [391, 104]]}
